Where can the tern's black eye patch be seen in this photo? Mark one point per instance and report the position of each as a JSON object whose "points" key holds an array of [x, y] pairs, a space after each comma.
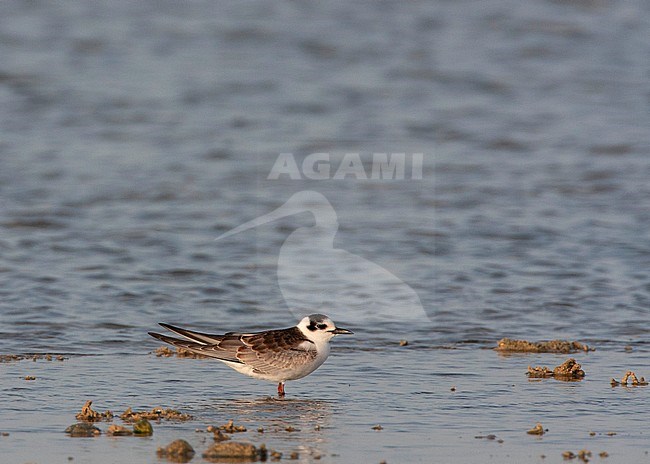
{"points": [[312, 326], [322, 326]]}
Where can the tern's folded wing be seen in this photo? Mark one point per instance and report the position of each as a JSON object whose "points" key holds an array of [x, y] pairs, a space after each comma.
{"points": [[274, 350]]}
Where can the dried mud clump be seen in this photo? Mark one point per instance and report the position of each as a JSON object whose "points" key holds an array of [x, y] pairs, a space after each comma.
{"points": [[232, 449], [218, 435], [537, 430], [633, 380], [83, 429], [230, 427], [584, 455], [167, 352], [568, 455], [33, 357], [156, 414], [177, 451], [183, 353], [538, 372], [568, 370], [553, 346], [90, 415]]}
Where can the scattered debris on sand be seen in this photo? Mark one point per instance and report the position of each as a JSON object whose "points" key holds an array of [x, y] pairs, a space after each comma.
{"points": [[220, 436], [183, 353], [30, 377], [294, 455], [177, 451], [33, 357], [156, 414], [377, 427], [609, 434], [90, 415], [537, 430], [568, 370], [490, 437], [403, 343], [538, 372], [631, 376], [230, 427], [583, 455], [232, 449], [118, 431], [553, 346], [603, 454], [83, 429], [143, 428], [167, 352]]}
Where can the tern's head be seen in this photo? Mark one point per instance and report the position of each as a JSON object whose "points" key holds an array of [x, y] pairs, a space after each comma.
{"points": [[319, 327]]}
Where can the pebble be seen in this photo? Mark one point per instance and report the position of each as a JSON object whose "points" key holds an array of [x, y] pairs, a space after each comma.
{"points": [[231, 449], [143, 427], [537, 430], [178, 450], [83, 429]]}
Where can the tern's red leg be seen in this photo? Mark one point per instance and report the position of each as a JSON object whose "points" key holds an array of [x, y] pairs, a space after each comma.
{"points": [[281, 389]]}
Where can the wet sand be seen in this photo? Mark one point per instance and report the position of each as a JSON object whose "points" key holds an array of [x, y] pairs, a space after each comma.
{"points": [[367, 405]]}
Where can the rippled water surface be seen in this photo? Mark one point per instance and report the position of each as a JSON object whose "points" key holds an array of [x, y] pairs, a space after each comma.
{"points": [[132, 134]]}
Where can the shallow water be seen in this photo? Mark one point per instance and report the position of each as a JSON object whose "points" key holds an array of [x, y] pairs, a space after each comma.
{"points": [[132, 135], [406, 390]]}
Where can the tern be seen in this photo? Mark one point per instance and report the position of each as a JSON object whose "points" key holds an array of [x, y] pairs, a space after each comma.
{"points": [[275, 355]]}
